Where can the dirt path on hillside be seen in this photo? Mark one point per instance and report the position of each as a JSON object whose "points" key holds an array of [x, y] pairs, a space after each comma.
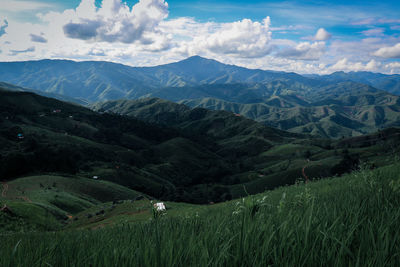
{"points": [[303, 171], [5, 189]]}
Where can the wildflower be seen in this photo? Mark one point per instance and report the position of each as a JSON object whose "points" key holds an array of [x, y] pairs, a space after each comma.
{"points": [[159, 206]]}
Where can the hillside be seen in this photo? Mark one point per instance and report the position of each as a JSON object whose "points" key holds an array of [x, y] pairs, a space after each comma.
{"points": [[335, 111], [282, 163], [351, 220], [41, 135], [343, 109], [184, 154]]}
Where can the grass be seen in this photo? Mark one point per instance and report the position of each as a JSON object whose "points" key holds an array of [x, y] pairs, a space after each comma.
{"points": [[353, 220], [45, 201]]}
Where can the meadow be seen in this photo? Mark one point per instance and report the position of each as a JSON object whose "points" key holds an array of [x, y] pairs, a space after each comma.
{"points": [[353, 220]]}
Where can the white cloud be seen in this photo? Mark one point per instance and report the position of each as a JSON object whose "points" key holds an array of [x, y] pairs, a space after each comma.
{"points": [[114, 21], [346, 65], [290, 28], [322, 35], [388, 52], [17, 6], [374, 32], [304, 51], [245, 38]]}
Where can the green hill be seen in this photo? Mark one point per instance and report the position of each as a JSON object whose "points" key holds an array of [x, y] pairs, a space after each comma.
{"points": [[272, 165], [345, 109], [43, 135], [169, 152], [346, 221]]}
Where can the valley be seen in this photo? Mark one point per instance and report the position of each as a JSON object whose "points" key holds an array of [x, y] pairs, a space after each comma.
{"points": [[269, 148]]}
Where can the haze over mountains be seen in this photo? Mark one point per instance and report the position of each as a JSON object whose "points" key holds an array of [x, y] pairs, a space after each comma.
{"points": [[335, 105]]}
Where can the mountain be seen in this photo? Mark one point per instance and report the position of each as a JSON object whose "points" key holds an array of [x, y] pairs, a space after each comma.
{"points": [[333, 111], [389, 83], [330, 106], [97, 80], [11, 87]]}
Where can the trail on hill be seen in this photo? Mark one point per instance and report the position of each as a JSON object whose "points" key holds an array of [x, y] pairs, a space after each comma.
{"points": [[5, 189], [304, 173]]}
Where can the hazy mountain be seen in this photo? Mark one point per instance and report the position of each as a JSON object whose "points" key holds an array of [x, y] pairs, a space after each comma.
{"points": [[99, 81], [96, 81], [389, 83], [12, 87], [336, 105]]}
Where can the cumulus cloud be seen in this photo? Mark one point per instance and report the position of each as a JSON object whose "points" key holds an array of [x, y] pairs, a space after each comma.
{"points": [[114, 21], [16, 52], [245, 38], [346, 65], [37, 38], [388, 52], [304, 51], [3, 27], [322, 35]]}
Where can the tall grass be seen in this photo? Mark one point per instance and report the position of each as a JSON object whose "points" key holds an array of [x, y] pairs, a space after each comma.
{"points": [[349, 221]]}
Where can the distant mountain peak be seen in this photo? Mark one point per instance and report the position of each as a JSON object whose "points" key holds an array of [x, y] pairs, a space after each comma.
{"points": [[198, 60]]}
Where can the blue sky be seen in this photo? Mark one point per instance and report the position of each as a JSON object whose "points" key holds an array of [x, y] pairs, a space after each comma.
{"points": [[300, 36]]}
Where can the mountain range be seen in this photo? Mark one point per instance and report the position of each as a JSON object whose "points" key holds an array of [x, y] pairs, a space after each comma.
{"points": [[330, 106]]}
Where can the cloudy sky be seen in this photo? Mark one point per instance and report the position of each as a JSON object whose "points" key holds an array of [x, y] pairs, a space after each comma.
{"points": [[299, 36]]}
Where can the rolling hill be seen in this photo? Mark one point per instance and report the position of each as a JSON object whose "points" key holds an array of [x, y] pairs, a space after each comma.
{"points": [[52, 151], [41, 135], [330, 106], [168, 151]]}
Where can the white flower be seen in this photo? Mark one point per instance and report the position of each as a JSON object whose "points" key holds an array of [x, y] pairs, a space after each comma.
{"points": [[159, 206]]}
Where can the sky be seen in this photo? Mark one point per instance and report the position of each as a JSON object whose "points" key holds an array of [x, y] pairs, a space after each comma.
{"points": [[295, 36]]}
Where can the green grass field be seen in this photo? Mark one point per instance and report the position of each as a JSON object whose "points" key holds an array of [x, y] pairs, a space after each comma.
{"points": [[353, 220]]}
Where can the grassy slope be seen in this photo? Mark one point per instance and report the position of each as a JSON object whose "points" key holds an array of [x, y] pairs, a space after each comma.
{"points": [[44, 202], [348, 221]]}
